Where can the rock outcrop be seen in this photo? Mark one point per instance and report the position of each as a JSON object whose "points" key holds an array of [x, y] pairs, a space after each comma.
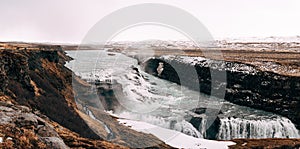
{"points": [[30, 129], [22, 127]]}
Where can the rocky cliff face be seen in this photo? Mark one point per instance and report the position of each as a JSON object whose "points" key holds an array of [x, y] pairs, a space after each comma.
{"points": [[38, 107], [245, 84], [39, 80]]}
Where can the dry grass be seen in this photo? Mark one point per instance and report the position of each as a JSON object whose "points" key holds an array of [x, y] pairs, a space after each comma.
{"points": [[287, 61], [266, 143], [36, 89]]}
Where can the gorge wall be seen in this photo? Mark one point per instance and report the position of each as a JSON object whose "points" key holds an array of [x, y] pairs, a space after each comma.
{"points": [[38, 79], [245, 85]]}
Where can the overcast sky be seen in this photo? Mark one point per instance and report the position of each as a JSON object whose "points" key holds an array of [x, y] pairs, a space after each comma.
{"points": [[69, 20]]}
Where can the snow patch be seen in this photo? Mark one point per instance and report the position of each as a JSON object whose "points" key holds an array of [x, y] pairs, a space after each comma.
{"points": [[264, 39], [174, 138], [213, 64]]}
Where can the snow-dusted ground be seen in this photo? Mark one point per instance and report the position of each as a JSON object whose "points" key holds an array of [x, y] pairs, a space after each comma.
{"points": [[264, 39], [213, 64], [218, 42], [175, 138]]}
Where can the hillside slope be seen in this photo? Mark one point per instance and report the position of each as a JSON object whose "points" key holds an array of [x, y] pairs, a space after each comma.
{"points": [[33, 77]]}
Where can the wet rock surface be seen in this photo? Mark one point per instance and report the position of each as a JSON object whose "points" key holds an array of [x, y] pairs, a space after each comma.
{"points": [[202, 118]]}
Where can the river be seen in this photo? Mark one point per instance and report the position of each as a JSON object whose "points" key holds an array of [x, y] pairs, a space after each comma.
{"points": [[150, 99]]}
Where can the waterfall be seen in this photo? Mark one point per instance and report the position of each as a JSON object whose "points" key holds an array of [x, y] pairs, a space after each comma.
{"points": [[165, 104], [173, 123], [187, 128], [270, 128]]}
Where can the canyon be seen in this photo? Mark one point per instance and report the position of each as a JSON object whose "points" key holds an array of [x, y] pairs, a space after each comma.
{"points": [[40, 107]]}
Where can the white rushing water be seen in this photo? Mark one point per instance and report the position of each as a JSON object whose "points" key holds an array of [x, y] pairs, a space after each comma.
{"points": [[243, 128], [149, 99]]}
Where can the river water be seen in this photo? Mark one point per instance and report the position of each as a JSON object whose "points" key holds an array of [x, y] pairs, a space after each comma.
{"points": [[150, 99]]}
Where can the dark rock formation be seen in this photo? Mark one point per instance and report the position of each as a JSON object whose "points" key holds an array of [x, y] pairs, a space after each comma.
{"points": [[245, 85], [207, 120], [106, 92]]}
